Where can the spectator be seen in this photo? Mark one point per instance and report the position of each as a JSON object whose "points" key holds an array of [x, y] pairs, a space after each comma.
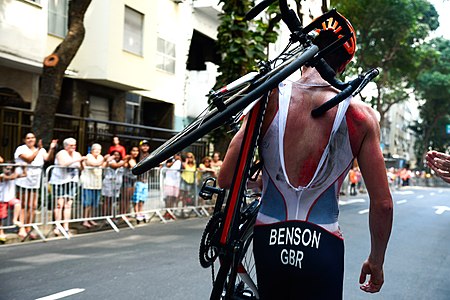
{"points": [[92, 183], [112, 181], [1, 160], [129, 179], [206, 169], [216, 162], [171, 172], [405, 175], [28, 187], [141, 187], [116, 146], [188, 179], [353, 176], [8, 197], [440, 163], [64, 181]]}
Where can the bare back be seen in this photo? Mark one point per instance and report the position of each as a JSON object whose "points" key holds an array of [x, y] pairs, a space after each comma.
{"points": [[306, 137]]}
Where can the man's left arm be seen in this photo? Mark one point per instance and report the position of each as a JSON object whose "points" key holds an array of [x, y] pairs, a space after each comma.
{"points": [[372, 166]]}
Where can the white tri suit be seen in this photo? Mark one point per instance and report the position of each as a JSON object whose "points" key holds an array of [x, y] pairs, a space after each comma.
{"points": [[298, 247]]}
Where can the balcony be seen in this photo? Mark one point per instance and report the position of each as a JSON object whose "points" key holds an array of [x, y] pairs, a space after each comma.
{"points": [[211, 8]]}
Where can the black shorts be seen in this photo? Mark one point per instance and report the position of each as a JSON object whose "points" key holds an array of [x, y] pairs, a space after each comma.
{"points": [[298, 260]]}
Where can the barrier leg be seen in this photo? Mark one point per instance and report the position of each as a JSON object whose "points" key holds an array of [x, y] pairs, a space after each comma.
{"points": [[205, 211], [41, 235], [112, 224], [128, 222], [62, 230]]}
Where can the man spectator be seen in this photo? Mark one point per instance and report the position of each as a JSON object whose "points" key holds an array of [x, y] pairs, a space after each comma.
{"points": [[116, 146], [141, 187]]}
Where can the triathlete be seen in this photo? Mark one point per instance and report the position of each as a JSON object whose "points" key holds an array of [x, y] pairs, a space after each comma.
{"points": [[298, 246]]}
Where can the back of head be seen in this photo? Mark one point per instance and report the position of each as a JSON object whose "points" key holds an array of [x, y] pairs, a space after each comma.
{"points": [[329, 32]]}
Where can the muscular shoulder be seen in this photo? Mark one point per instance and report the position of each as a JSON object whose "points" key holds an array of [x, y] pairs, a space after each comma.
{"points": [[362, 122]]}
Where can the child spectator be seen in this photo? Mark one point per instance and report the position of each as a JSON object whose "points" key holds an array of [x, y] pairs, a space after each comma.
{"points": [[112, 181], [8, 197], [129, 179]]}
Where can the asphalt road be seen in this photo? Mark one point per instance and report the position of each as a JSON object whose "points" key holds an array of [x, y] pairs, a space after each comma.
{"points": [[159, 261]]}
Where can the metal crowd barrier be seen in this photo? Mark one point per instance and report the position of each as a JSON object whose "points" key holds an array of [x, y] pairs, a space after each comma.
{"points": [[24, 210]]}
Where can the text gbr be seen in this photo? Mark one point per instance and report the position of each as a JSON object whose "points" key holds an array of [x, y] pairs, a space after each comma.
{"points": [[293, 236]]}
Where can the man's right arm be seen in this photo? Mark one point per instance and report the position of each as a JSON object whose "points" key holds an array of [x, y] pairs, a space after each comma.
{"points": [[372, 166]]}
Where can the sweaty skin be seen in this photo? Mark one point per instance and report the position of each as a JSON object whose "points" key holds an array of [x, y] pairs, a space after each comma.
{"points": [[304, 142]]}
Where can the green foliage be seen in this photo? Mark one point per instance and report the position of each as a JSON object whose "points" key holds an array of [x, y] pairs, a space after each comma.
{"points": [[389, 36], [241, 44], [433, 86]]}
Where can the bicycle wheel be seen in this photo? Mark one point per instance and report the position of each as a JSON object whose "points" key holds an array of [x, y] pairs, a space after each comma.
{"points": [[234, 102], [236, 278], [246, 282]]}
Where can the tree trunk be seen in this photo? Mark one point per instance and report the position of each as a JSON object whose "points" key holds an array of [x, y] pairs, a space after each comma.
{"points": [[53, 72]]}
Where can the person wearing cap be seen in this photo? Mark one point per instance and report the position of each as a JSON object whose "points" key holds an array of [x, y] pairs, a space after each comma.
{"points": [[140, 194], [297, 242]]}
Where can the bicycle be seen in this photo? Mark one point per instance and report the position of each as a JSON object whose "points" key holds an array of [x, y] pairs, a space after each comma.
{"points": [[228, 234]]}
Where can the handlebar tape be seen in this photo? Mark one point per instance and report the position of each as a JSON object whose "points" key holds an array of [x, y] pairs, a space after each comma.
{"points": [[317, 112]]}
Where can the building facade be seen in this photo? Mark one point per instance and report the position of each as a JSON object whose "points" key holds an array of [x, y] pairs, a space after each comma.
{"points": [[142, 71]]}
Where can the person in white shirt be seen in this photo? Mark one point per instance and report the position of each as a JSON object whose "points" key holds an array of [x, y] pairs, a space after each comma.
{"points": [[64, 180], [33, 155], [8, 198]]}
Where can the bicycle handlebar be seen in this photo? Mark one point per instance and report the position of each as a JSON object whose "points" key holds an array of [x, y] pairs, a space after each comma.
{"points": [[354, 87]]}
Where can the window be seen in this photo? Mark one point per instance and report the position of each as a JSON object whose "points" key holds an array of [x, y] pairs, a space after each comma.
{"points": [[165, 56], [57, 17], [99, 108], [132, 33], [133, 103]]}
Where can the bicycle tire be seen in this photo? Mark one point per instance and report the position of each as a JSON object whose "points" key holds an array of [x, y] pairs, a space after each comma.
{"points": [[216, 118], [238, 280]]}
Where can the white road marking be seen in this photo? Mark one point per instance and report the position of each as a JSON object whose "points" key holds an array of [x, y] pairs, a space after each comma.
{"points": [[351, 201], [441, 209], [364, 211], [420, 196], [432, 194], [62, 294], [404, 192], [401, 201]]}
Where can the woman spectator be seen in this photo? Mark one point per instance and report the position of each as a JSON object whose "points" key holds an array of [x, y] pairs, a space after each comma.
{"points": [[64, 181], [171, 174], [129, 179], [188, 179], [92, 183], [28, 187], [112, 181], [206, 169]]}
